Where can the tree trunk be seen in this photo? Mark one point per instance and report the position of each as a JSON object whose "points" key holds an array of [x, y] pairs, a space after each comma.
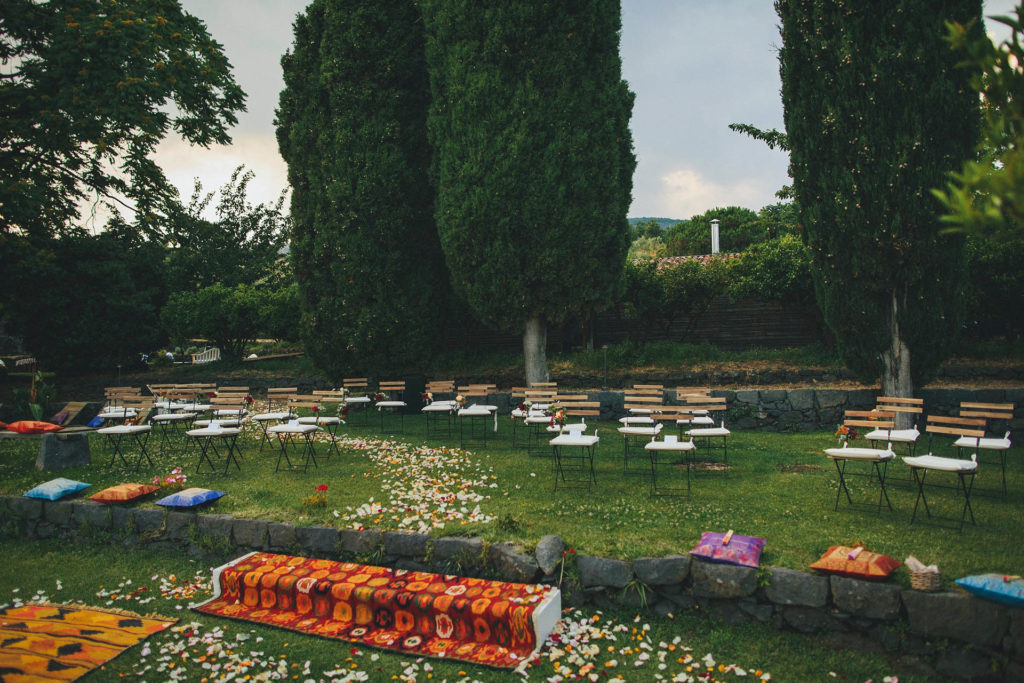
{"points": [[896, 379], [535, 342]]}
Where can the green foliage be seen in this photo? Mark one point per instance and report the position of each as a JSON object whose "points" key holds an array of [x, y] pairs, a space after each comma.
{"points": [[778, 270], [241, 246], [534, 162], [996, 285], [352, 128], [649, 228], [646, 248], [986, 194], [30, 402], [654, 297], [738, 229], [876, 114], [83, 302], [231, 317], [89, 89]]}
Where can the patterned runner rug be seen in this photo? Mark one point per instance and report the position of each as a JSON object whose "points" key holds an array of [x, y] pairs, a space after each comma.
{"points": [[41, 642], [485, 622]]}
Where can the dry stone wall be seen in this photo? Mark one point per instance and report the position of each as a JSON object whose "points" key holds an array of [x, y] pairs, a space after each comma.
{"points": [[951, 634]]}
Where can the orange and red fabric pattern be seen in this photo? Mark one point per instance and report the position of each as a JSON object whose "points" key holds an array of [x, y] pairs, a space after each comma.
{"points": [[467, 619], [41, 642]]}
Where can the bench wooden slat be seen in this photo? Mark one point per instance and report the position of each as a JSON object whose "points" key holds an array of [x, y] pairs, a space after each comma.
{"points": [[937, 429]]}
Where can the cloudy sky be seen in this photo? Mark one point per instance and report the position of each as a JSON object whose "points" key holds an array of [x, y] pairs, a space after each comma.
{"points": [[695, 65]]}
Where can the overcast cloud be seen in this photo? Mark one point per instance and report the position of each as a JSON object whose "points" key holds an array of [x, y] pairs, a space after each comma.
{"points": [[695, 65]]}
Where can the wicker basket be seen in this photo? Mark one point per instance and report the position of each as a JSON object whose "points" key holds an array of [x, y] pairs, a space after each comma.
{"points": [[925, 581]]}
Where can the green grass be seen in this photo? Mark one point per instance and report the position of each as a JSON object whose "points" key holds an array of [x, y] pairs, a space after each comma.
{"points": [[779, 487], [99, 576]]}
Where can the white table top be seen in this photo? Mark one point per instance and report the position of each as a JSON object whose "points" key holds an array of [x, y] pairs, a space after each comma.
{"points": [[575, 439], [214, 431]]}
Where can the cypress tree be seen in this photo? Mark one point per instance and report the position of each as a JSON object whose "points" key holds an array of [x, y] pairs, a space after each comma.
{"points": [[533, 158], [352, 128], [877, 113]]}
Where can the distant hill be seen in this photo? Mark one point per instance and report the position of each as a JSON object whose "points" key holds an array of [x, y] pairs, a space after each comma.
{"points": [[665, 223]]}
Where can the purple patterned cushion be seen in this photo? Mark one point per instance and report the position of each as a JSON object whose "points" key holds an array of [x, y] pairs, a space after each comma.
{"points": [[742, 550]]}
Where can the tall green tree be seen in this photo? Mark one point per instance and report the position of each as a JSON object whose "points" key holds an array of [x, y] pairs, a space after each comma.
{"points": [[87, 90], [534, 161], [352, 128], [876, 114]]}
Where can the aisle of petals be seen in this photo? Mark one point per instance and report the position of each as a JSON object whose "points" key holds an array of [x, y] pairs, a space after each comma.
{"points": [[426, 488]]}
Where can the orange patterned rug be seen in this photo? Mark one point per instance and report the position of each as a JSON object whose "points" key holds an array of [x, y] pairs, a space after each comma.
{"points": [[493, 623], [41, 642]]}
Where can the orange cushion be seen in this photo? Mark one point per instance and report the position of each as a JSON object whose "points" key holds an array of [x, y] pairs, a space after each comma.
{"points": [[33, 427], [123, 493], [866, 565]]}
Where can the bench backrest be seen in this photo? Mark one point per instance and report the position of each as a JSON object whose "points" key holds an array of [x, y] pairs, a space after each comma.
{"points": [[876, 419], [578, 405], [441, 386], [356, 385], [955, 426], [991, 411], [280, 395]]}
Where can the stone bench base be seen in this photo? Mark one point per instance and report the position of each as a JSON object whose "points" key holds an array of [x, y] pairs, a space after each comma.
{"points": [[493, 623]]}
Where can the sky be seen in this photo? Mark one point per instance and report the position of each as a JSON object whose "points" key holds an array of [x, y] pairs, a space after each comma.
{"points": [[695, 66]]}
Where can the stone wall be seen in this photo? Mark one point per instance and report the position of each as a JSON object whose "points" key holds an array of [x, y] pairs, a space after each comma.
{"points": [[949, 634]]}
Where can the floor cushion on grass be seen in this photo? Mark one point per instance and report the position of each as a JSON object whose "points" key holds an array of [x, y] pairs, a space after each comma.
{"points": [[122, 493], [33, 427], [42, 642], [845, 561], [56, 489], [189, 498], [1008, 590], [744, 551], [492, 623]]}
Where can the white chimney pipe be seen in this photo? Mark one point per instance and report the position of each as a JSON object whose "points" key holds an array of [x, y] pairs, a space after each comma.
{"points": [[714, 235]]}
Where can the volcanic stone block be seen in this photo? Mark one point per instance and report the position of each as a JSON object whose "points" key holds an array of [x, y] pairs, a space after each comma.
{"points": [[603, 571], [63, 451], [956, 615], [792, 587], [405, 544], [714, 580], [865, 598], [662, 571]]}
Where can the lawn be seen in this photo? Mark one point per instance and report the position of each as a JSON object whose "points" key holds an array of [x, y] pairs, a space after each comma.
{"points": [[202, 648], [778, 486]]}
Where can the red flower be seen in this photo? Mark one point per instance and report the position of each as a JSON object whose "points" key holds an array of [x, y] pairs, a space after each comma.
{"points": [[211, 394], [321, 487], [316, 409]]}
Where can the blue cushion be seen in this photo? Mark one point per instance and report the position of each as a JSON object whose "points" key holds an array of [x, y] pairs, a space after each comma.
{"points": [[189, 498], [994, 587], [56, 488]]}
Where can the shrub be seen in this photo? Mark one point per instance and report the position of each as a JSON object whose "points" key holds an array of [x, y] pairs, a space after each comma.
{"points": [[777, 270]]}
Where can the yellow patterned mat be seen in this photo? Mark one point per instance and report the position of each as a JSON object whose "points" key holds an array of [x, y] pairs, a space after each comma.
{"points": [[41, 642]]}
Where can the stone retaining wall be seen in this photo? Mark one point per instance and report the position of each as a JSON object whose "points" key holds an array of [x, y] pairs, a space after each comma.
{"points": [[949, 634]]}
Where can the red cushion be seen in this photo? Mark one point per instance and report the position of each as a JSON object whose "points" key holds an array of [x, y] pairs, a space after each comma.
{"points": [[33, 427]]}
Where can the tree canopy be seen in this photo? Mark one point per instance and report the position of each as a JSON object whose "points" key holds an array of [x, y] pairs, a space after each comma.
{"points": [[352, 128], [533, 158], [87, 90], [877, 114]]}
